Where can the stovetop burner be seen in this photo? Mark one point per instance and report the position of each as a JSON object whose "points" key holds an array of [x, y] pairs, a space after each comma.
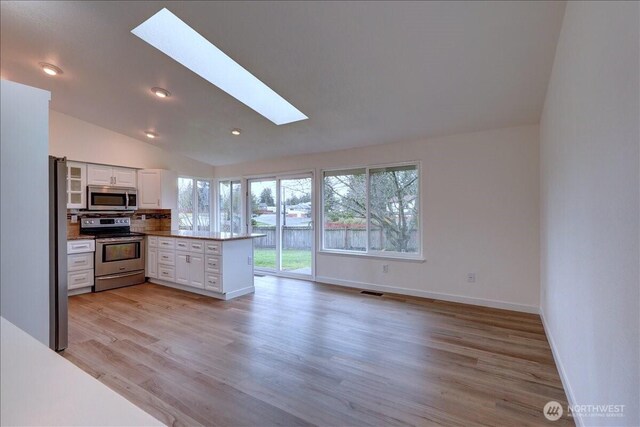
{"points": [[108, 227]]}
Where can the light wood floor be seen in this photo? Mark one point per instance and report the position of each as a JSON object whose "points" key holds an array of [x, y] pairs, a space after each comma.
{"points": [[298, 353]]}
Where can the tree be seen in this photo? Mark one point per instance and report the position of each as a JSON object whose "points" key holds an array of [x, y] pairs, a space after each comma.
{"points": [[255, 205], [305, 198], [393, 207], [266, 197]]}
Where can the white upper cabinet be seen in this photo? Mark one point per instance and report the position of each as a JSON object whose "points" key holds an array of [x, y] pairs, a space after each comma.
{"points": [[124, 177], [110, 176], [76, 185], [157, 189], [99, 175]]}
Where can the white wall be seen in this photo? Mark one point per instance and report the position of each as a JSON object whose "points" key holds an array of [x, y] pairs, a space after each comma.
{"points": [[24, 208], [590, 207], [480, 208], [86, 142]]}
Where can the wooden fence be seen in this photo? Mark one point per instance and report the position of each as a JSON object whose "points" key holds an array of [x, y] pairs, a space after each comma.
{"points": [[334, 238]]}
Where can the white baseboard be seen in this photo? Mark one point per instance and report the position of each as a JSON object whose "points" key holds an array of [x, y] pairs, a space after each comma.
{"points": [[433, 295], [563, 373], [227, 296], [239, 292]]}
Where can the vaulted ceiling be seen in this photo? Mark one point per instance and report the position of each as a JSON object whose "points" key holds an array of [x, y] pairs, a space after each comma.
{"points": [[364, 73]]}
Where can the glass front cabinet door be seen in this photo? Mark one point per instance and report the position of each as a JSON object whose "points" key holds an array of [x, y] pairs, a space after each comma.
{"points": [[76, 185]]}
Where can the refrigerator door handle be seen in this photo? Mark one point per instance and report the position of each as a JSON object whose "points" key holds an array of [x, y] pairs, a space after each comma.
{"points": [[58, 253]]}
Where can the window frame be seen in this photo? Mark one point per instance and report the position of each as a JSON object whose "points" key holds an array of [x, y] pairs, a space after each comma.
{"points": [[368, 253], [194, 200], [243, 198]]}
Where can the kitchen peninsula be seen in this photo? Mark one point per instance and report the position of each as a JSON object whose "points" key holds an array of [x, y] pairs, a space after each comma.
{"points": [[214, 264]]}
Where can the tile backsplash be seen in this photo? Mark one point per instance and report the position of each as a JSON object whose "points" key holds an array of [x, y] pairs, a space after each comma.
{"points": [[155, 220]]}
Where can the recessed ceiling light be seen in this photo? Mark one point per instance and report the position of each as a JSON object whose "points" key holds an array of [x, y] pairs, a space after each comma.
{"points": [[50, 69], [160, 93], [235, 132], [169, 34], [151, 135]]}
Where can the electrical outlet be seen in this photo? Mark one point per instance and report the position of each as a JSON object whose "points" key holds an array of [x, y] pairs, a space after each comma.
{"points": [[143, 217], [471, 277], [74, 219], [385, 268]]}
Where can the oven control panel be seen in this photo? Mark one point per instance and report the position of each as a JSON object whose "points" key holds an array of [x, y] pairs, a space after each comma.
{"points": [[105, 222]]}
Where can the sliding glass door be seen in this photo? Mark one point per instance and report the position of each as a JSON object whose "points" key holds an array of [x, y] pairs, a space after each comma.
{"points": [[262, 219], [282, 209], [296, 225]]}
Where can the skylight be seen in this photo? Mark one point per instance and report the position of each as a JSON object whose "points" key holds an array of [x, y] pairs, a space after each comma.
{"points": [[170, 35]]}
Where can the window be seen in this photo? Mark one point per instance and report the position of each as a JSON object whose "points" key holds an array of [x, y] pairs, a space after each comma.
{"points": [[393, 209], [372, 210], [194, 204], [230, 206], [345, 210]]}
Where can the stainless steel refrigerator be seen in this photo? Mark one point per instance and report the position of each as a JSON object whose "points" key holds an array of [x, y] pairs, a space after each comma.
{"points": [[58, 253]]}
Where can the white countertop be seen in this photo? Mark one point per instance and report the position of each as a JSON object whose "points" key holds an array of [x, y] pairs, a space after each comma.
{"points": [[40, 387]]}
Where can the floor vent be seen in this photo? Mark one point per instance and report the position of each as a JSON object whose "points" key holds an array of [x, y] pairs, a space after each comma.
{"points": [[375, 294]]}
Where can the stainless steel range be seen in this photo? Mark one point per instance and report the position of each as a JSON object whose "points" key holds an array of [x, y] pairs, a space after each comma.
{"points": [[119, 258]]}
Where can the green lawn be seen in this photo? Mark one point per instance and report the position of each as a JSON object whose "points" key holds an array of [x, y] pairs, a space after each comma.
{"points": [[292, 259]]}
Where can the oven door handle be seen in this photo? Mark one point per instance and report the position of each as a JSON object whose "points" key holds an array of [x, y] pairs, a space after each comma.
{"points": [[120, 240], [117, 276]]}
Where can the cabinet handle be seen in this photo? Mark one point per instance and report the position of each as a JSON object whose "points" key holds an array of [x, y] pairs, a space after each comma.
{"points": [[188, 259], [158, 202]]}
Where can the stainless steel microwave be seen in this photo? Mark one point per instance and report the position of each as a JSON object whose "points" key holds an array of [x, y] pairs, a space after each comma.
{"points": [[105, 198]]}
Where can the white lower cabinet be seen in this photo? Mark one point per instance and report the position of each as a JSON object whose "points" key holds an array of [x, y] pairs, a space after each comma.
{"points": [[152, 257], [219, 267], [213, 270], [166, 272], [166, 257], [190, 269], [80, 258], [196, 270], [213, 283], [152, 262], [182, 268], [79, 279]]}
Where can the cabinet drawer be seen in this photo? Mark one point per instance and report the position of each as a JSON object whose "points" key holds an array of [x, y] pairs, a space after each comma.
{"points": [[182, 244], [196, 246], [77, 262], [166, 243], [80, 246], [213, 283], [166, 273], [213, 248], [166, 257], [153, 241], [213, 264], [80, 279]]}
